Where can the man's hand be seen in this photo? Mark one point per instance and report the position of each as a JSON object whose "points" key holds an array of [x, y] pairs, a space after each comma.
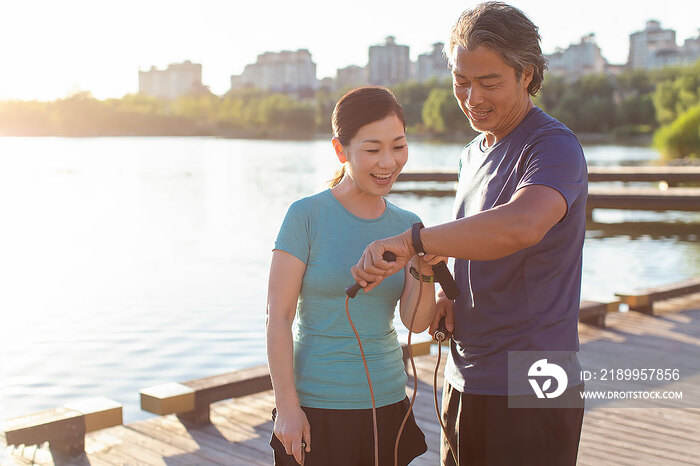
{"points": [[371, 269], [443, 307]]}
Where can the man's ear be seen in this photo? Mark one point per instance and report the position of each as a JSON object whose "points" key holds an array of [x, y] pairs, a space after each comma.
{"points": [[339, 152], [527, 75]]}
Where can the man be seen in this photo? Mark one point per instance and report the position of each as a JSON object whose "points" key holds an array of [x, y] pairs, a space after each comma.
{"points": [[517, 238]]}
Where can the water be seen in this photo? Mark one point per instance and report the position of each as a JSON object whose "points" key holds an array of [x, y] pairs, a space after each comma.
{"points": [[130, 262]]}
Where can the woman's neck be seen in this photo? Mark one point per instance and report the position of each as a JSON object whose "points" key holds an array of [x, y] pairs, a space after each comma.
{"points": [[358, 202]]}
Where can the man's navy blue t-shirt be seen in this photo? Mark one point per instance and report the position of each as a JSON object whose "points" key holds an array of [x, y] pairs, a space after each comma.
{"points": [[529, 300]]}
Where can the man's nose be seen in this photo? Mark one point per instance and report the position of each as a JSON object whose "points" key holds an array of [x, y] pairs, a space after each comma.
{"points": [[474, 97]]}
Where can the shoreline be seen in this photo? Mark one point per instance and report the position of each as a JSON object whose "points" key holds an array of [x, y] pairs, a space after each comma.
{"points": [[266, 135]]}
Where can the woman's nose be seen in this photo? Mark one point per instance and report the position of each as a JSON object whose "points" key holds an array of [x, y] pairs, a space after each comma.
{"points": [[387, 160]]}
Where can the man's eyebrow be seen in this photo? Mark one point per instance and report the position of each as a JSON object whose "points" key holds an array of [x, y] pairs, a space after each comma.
{"points": [[488, 76], [485, 76]]}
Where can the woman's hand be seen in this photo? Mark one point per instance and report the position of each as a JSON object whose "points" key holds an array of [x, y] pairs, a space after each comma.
{"points": [[427, 262], [371, 269], [291, 428], [443, 307]]}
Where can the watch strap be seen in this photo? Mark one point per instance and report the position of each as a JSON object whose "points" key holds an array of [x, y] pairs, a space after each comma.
{"points": [[415, 238]]}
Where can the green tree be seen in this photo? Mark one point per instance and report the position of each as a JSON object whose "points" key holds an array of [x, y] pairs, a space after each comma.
{"points": [[678, 93], [681, 138], [441, 114]]}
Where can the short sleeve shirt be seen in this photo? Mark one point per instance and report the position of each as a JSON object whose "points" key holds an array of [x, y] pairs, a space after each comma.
{"points": [[529, 300], [328, 369]]}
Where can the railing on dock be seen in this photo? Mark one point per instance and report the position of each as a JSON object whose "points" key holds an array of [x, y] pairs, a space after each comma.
{"points": [[669, 175], [625, 198]]}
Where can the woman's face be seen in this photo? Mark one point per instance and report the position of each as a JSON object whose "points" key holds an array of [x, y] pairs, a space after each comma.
{"points": [[376, 155]]}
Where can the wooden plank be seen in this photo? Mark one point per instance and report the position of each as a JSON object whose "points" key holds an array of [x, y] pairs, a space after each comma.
{"points": [[669, 174], [63, 428], [684, 199], [167, 398], [98, 412], [643, 300], [593, 312], [231, 385], [428, 175], [419, 348]]}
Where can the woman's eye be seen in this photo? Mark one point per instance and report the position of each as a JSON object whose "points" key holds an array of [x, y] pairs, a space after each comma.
{"points": [[372, 151], [400, 147]]}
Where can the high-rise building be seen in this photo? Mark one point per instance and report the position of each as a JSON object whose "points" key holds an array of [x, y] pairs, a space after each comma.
{"points": [[177, 80], [351, 76], [389, 63], [432, 64], [578, 59], [653, 47], [691, 49], [284, 71]]}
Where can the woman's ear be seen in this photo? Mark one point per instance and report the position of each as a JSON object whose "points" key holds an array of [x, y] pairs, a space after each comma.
{"points": [[339, 150]]}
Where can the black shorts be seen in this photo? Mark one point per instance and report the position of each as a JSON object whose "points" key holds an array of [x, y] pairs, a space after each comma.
{"points": [[345, 437], [486, 432]]}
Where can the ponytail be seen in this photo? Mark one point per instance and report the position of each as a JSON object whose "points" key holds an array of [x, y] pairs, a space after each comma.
{"points": [[337, 178]]}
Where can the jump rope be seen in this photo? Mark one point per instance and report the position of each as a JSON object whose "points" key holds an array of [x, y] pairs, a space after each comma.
{"points": [[442, 276]]}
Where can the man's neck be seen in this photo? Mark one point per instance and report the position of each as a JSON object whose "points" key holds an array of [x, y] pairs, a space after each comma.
{"points": [[492, 138]]}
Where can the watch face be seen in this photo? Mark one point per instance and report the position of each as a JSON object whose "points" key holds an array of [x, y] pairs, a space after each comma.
{"points": [[421, 254]]}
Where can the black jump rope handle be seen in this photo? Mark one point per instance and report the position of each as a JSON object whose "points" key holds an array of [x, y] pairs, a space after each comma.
{"points": [[353, 289], [442, 276]]}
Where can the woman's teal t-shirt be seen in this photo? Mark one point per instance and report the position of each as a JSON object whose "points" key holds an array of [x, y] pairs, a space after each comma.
{"points": [[328, 369]]}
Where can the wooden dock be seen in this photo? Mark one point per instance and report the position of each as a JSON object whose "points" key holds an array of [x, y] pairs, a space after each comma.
{"points": [[240, 428]]}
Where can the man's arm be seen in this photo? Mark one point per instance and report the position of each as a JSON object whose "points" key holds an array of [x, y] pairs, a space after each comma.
{"points": [[520, 223], [501, 231]]}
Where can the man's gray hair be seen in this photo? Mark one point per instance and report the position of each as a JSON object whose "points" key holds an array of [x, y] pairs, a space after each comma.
{"points": [[506, 31]]}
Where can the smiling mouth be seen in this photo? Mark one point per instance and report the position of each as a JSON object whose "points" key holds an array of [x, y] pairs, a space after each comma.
{"points": [[382, 178], [478, 115]]}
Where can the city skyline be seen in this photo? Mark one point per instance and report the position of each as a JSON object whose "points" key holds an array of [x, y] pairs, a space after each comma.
{"points": [[78, 45]]}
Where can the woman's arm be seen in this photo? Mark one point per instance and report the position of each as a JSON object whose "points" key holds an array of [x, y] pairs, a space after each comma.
{"points": [[409, 297], [284, 286]]}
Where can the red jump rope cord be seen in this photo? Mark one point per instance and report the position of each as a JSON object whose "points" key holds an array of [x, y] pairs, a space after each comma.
{"points": [[369, 381]]}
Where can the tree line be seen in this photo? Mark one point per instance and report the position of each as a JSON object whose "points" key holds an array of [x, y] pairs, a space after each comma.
{"points": [[663, 103]]}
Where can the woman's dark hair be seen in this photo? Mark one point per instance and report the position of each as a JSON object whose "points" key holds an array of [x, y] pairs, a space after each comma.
{"points": [[506, 31], [360, 107]]}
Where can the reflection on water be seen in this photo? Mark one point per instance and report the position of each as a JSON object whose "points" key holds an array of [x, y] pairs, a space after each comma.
{"points": [[129, 262]]}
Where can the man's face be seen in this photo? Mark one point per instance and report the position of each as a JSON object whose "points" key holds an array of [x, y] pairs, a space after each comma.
{"points": [[488, 91]]}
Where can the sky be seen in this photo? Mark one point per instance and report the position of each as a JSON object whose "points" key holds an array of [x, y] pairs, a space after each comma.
{"points": [[50, 49]]}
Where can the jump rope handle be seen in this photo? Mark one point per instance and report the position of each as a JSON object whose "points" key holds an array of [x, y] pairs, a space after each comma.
{"points": [[442, 334], [353, 289]]}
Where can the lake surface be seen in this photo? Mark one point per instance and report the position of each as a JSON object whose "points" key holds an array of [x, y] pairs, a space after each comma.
{"points": [[130, 262]]}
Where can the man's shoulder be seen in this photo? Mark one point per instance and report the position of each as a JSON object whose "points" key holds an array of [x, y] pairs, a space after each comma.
{"points": [[543, 125]]}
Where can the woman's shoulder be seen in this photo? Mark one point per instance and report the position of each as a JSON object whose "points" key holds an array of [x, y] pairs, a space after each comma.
{"points": [[402, 213], [310, 205]]}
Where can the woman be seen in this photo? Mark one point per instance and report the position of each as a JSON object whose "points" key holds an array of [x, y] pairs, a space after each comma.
{"points": [[321, 392]]}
